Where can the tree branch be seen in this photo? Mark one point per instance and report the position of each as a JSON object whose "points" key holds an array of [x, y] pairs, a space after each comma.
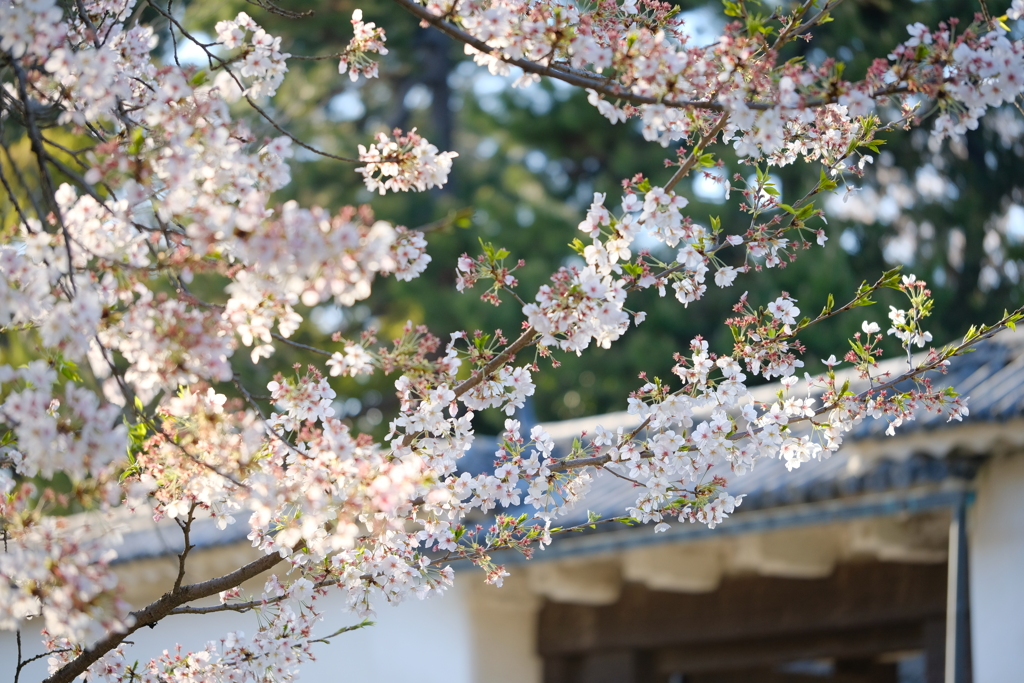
{"points": [[599, 460], [159, 609], [186, 529], [695, 153], [600, 84]]}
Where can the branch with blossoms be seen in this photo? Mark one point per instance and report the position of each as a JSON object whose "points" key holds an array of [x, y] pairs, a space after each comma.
{"points": [[831, 396], [670, 445], [157, 181]]}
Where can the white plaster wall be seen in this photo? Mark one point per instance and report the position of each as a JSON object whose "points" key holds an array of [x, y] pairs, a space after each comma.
{"points": [[503, 645], [996, 545], [425, 641]]}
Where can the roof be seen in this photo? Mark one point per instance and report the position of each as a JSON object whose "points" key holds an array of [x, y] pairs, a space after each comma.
{"points": [[926, 454], [928, 464]]}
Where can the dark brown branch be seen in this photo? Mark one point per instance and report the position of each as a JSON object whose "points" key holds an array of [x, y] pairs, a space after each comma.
{"points": [[36, 142], [497, 362], [691, 161], [595, 82], [242, 607], [159, 609], [186, 529]]}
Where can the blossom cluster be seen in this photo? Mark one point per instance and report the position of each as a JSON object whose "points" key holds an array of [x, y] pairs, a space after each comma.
{"points": [[577, 308], [368, 38], [405, 163], [69, 431], [969, 76], [175, 189], [262, 62], [45, 571], [773, 112], [148, 270]]}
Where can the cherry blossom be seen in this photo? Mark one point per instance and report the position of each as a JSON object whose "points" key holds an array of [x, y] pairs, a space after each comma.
{"points": [[402, 164], [133, 388], [368, 38]]}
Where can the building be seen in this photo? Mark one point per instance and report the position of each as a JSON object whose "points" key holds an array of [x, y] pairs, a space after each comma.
{"points": [[897, 559]]}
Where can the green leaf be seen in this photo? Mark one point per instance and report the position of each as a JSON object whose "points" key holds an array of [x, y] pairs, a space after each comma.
{"points": [[632, 269], [825, 182], [806, 211], [828, 306], [69, 369], [138, 138], [891, 278]]}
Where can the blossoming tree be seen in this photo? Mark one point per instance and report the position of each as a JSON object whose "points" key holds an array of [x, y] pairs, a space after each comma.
{"points": [[129, 181]]}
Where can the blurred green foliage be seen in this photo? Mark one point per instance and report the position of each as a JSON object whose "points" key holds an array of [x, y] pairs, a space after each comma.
{"points": [[531, 159]]}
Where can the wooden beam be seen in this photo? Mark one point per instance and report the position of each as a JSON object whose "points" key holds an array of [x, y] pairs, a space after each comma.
{"points": [[919, 538], [881, 673], [807, 552], [584, 582], [676, 567], [863, 644], [855, 596], [857, 656]]}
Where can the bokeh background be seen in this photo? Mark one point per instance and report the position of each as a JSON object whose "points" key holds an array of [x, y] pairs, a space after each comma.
{"points": [[531, 159]]}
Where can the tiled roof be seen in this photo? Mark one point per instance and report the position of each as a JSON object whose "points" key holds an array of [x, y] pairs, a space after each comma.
{"points": [[993, 377], [927, 451]]}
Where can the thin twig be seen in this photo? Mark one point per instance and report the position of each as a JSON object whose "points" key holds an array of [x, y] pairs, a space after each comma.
{"points": [[186, 528], [224, 63], [294, 139], [345, 629], [599, 460], [300, 345], [695, 153], [36, 142]]}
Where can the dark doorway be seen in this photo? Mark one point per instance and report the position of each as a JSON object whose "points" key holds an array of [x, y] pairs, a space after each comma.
{"points": [[867, 623]]}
